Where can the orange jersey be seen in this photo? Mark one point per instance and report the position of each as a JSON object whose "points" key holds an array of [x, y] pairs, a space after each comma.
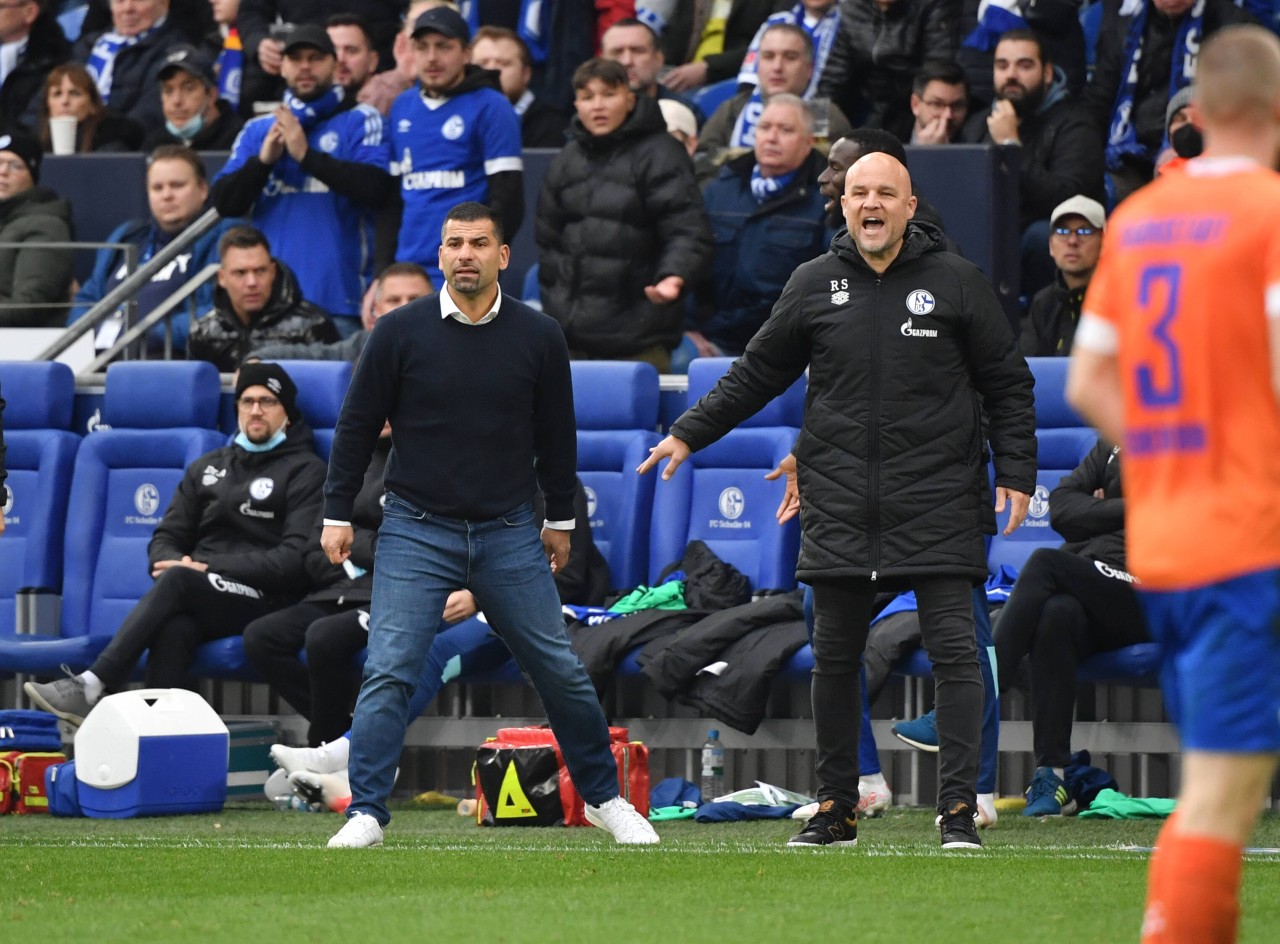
{"points": [[1188, 267]]}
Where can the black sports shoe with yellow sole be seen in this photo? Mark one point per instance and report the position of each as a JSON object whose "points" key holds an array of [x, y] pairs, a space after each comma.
{"points": [[833, 825]]}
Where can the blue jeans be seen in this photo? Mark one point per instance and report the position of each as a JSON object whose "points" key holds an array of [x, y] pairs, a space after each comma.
{"points": [[421, 559]]}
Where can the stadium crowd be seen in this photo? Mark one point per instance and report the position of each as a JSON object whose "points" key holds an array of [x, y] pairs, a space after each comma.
{"points": [[667, 226]]}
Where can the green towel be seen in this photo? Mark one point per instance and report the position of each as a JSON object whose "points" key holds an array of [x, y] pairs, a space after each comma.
{"points": [[669, 596], [662, 813], [1115, 805]]}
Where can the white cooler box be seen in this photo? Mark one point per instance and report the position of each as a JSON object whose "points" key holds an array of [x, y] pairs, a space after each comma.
{"points": [[152, 752]]}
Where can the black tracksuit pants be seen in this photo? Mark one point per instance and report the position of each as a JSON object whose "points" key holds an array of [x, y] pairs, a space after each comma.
{"points": [[332, 635], [842, 617], [1063, 609], [184, 609]]}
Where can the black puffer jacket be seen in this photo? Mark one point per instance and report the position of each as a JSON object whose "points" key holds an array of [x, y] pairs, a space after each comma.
{"points": [[1093, 527], [222, 338], [20, 95], [1061, 154], [135, 82], [617, 213], [29, 274], [877, 53], [892, 466], [248, 515]]}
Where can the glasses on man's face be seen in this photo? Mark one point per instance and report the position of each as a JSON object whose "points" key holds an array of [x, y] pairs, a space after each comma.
{"points": [[1082, 232], [13, 167], [263, 403], [937, 104]]}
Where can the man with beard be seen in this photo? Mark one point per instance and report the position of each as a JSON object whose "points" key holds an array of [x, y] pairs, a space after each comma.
{"points": [[454, 138], [353, 45], [1061, 152], [228, 550], [313, 172], [846, 152], [900, 339]]}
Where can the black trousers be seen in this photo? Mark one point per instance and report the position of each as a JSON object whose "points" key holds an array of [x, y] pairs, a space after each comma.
{"points": [[184, 609], [1063, 609], [324, 690], [842, 616]]}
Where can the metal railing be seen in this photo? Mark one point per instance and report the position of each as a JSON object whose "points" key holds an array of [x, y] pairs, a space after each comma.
{"points": [[124, 293]]}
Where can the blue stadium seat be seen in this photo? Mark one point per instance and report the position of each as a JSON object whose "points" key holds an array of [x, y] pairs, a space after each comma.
{"points": [[710, 97], [784, 410], [719, 496], [41, 453], [322, 386], [531, 291], [160, 417], [616, 406]]}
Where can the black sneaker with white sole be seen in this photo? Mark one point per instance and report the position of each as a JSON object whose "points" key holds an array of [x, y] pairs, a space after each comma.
{"points": [[958, 828], [833, 825]]}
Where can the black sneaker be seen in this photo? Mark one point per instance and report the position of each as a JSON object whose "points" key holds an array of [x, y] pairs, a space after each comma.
{"points": [[959, 830], [833, 825]]}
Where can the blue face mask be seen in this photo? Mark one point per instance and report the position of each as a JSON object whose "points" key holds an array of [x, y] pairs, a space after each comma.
{"points": [[243, 442], [187, 131]]}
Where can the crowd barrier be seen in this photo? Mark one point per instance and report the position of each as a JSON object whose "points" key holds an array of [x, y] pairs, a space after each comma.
{"points": [[974, 187]]}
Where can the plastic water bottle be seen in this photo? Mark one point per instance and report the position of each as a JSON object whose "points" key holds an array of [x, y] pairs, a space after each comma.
{"points": [[712, 767]]}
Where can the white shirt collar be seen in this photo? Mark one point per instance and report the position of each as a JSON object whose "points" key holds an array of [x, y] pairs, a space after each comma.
{"points": [[10, 53], [449, 309]]}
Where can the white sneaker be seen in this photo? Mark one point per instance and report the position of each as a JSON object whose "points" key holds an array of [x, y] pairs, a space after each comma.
{"points": [[333, 791], [872, 801], [622, 819], [359, 832], [325, 759]]}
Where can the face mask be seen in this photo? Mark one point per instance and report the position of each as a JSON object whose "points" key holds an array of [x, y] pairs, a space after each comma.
{"points": [[187, 131], [1187, 141], [243, 442]]}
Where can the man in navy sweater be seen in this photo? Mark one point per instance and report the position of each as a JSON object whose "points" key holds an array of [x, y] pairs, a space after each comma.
{"points": [[478, 391]]}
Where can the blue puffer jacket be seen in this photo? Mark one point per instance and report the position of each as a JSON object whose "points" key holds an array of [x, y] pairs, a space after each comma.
{"points": [[757, 247]]}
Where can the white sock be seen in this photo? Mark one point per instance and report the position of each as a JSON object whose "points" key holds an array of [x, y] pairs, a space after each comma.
{"points": [[93, 686], [873, 782], [987, 800]]}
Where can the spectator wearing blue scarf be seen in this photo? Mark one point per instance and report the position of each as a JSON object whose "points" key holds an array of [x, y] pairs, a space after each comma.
{"points": [[125, 60], [1147, 52], [766, 214]]}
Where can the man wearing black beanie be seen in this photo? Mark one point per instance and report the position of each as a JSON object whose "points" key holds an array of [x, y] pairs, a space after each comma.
{"points": [[34, 281], [228, 550]]}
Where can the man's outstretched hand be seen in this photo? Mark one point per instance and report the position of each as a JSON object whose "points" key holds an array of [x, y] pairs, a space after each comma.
{"points": [[670, 448], [789, 507]]}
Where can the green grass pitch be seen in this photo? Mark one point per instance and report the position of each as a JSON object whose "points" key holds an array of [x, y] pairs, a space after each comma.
{"points": [[250, 874]]}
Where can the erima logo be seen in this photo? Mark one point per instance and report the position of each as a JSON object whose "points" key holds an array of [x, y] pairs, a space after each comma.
{"points": [[212, 476], [261, 488], [273, 384], [146, 499], [403, 125], [454, 128], [732, 503], [920, 302], [910, 332], [592, 501], [839, 298]]}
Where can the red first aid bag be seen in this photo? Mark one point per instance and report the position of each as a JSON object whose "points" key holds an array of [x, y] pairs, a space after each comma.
{"points": [[521, 779], [22, 788]]}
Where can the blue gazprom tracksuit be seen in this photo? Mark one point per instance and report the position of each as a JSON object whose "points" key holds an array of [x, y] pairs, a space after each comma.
{"points": [[324, 237]]}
